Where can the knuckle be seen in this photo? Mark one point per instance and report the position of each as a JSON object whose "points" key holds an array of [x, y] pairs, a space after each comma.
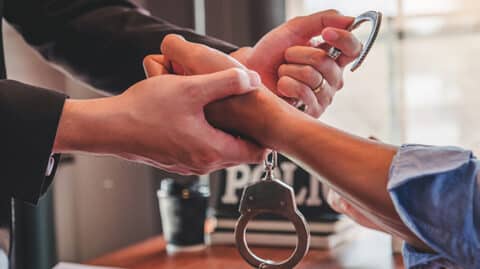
{"points": [[317, 112], [309, 74], [147, 59], [237, 79], [303, 93], [340, 83], [167, 42], [169, 38], [319, 58], [282, 70], [283, 83]]}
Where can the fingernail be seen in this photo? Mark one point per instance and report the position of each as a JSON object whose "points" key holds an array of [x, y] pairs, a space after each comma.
{"points": [[255, 80], [330, 35]]}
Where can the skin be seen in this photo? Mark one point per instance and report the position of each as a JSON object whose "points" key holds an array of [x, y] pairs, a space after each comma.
{"points": [[288, 63], [354, 167], [134, 127], [174, 136]]}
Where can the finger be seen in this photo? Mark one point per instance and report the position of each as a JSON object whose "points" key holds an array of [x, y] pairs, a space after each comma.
{"points": [[211, 87], [325, 95], [342, 60], [318, 59], [312, 25], [196, 58], [289, 87], [345, 41], [155, 65], [304, 73], [235, 150]]}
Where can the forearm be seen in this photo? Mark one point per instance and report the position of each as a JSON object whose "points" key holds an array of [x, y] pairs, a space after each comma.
{"points": [[357, 168], [92, 126]]}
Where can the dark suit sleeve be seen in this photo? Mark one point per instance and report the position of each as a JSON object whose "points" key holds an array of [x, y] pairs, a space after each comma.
{"points": [[29, 116], [103, 42]]}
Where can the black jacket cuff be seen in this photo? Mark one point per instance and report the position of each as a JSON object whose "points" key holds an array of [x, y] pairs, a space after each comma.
{"points": [[30, 117]]}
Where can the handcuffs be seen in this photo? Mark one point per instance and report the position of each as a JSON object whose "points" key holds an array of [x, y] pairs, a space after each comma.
{"points": [[272, 196]]}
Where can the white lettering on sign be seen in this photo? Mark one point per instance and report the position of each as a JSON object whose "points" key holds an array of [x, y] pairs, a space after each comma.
{"points": [[288, 171], [314, 197], [239, 176]]}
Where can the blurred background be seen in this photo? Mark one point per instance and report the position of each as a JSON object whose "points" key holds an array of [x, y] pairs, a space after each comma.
{"points": [[419, 84]]}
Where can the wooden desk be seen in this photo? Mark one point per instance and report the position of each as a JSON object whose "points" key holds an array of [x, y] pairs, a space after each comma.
{"points": [[370, 250]]}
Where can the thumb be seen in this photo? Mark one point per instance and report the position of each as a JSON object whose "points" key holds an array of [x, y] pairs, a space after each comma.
{"points": [[223, 84], [297, 32], [196, 58], [307, 27]]}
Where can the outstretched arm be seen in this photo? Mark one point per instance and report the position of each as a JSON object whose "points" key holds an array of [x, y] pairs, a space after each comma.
{"points": [[355, 167]]}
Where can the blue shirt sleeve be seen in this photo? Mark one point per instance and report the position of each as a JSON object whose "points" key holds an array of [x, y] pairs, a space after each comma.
{"points": [[436, 191]]}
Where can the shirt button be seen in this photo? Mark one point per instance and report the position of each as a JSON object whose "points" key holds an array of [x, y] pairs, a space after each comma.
{"points": [[51, 164]]}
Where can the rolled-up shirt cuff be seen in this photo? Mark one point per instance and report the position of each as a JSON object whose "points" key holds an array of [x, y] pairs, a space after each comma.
{"points": [[416, 161], [431, 189], [31, 115], [414, 259]]}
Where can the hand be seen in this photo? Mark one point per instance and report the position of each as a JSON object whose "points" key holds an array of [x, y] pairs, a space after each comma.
{"points": [[268, 120], [292, 68], [195, 58], [288, 65], [160, 121]]}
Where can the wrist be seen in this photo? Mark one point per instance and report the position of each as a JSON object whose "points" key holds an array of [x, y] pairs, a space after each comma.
{"points": [[242, 55], [87, 126], [260, 116]]}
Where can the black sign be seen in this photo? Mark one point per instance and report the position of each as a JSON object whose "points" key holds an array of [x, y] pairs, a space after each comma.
{"points": [[227, 186]]}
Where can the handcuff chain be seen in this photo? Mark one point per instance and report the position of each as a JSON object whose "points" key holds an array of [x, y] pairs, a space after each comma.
{"points": [[270, 165]]}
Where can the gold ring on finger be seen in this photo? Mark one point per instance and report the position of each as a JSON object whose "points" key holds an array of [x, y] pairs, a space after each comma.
{"points": [[320, 87]]}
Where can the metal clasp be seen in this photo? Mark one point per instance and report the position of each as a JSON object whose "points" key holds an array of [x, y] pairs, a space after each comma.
{"points": [[274, 197], [371, 16]]}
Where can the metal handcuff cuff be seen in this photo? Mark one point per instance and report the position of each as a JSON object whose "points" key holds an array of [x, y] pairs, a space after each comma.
{"points": [[272, 196]]}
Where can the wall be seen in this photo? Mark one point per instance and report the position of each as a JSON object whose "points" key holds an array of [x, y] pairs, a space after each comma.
{"points": [[101, 203]]}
